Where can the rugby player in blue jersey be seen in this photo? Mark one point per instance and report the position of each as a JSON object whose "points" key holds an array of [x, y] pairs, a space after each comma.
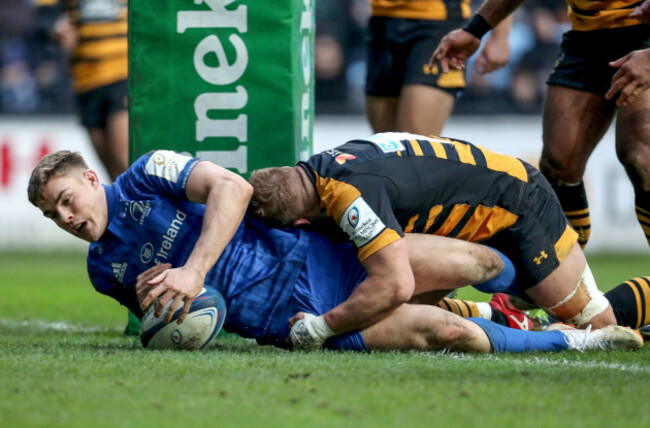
{"points": [[163, 229], [378, 188]]}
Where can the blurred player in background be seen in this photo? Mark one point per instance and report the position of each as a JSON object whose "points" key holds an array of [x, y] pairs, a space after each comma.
{"points": [[379, 188], [172, 210], [94, 34], [404, 93], [602, 72]]}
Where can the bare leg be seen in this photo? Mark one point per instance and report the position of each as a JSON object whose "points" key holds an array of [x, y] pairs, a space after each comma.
{"points": [[574, 122], [423, 110], [441, 263], [633, 141], [423, 327], [111, 144], [381, 113]]}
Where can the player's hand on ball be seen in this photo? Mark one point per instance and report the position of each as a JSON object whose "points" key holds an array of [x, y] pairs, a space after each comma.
{"points": [[309, 332], [142, 289]]}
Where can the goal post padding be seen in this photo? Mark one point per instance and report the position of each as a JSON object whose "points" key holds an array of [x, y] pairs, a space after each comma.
{"points": [[227, 81]]}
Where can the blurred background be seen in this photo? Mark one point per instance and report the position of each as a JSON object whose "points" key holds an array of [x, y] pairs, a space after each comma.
{"points": [[35, 79], [37, 109]]}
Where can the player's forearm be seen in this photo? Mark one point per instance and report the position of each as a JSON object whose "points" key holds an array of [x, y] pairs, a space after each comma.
{"points": [[501, 32], [373, 300], [496, 11], [225, 207]]}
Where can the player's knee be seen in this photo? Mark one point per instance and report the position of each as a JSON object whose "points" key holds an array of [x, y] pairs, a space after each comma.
{"points": [[452, 336], [559, 170], [488, 264], [584, 304], [637, 164], [452, 332]]}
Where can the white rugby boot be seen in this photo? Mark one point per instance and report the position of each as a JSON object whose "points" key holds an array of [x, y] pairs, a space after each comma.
{"points": [[610, 337]]}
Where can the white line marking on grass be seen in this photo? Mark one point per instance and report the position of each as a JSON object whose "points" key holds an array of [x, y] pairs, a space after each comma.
{"points": [[539, 361], [43, 326]]}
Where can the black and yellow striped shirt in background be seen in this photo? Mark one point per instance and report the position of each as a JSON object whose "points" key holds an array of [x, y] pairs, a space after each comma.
{"points": [[589, 15], [101, 55], [435, 10]]}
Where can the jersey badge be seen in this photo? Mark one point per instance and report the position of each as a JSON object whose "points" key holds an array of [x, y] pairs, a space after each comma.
{"points": [[361, 223], [343, 157], [119, 269], [388, 142], [166, 164], [146, 253]]}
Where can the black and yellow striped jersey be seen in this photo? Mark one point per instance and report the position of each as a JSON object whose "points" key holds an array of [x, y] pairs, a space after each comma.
{"points": [[436, 10], [380, 187], [101, 55], [589, 15]]}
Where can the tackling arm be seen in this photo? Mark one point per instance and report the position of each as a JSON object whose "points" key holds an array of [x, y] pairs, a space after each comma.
{"points": [[389, 284]]}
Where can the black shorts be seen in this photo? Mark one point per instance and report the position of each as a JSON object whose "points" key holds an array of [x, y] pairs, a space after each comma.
{"points": [[398, 54], [583, 62], [542, 236], [97, 105]]}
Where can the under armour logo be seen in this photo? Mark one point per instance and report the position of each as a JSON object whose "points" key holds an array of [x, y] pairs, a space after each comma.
{"points": [[542, 256]]}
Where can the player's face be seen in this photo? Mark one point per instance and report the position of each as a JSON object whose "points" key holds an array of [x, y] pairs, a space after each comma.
{"points": [[77, 204]]}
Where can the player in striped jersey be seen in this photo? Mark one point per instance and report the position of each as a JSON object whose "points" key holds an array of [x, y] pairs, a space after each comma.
{"points": [[402, 91], [378, 188], [94, 33], [601, 74]]}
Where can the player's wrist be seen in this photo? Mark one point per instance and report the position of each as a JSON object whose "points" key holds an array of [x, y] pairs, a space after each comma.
{"points": [[477, 26], [320, 328], [311, 332]]}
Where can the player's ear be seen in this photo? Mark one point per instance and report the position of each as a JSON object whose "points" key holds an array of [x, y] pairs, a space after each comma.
{"points": [[301, 222], [92, 177]]}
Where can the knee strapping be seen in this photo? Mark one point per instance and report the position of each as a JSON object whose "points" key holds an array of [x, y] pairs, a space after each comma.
{"points": [[583, 303]]}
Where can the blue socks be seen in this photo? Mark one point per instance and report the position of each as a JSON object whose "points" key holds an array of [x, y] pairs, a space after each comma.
{"points": [[505, 282], [504, 339]]}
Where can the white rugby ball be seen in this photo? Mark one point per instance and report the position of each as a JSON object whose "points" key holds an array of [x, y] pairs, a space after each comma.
{"points": [[201, 324]]}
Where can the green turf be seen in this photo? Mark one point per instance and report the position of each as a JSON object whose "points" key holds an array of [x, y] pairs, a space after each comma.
{"points": [[64, 362]]}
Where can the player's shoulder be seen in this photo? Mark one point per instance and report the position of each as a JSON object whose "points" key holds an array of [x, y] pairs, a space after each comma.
{"points": [[167, 165]]}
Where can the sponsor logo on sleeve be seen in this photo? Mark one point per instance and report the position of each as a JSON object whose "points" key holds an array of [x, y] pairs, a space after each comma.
{"points": [[166, 164], [361, 223], [343, 157], [389, 142]]}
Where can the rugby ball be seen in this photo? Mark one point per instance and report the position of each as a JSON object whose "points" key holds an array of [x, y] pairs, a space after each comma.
{"points": [[201, 324]]}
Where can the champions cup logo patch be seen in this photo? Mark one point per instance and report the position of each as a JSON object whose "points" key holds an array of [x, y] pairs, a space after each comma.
{"points": [[343, 157], [166, 164], [158, 158], [353, 217], [361, 223]]}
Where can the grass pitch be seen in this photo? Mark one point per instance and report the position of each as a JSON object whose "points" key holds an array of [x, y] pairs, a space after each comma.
{"points": [[64, 362]]}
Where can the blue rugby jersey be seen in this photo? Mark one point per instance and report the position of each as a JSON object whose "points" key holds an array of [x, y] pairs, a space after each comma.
{"points": [[151, 221]]}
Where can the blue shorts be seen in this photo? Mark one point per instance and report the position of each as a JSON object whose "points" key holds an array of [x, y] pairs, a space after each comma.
{"points": [[331, 273]]}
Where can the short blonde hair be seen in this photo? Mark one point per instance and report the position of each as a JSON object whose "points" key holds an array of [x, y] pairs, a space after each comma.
{"points": [[53, 165], [272, 201]]}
